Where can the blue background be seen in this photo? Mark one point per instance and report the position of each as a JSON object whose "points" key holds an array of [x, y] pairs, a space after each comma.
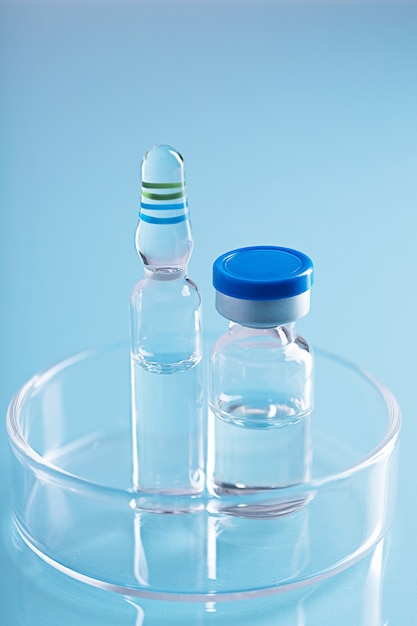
{"points": [[297, 122]]}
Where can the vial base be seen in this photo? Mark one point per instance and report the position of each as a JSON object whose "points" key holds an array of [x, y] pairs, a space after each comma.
{"points": [[252, 463]]}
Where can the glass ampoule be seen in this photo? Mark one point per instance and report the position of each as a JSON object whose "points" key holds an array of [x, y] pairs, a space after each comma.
{"points": [[166, 369]]}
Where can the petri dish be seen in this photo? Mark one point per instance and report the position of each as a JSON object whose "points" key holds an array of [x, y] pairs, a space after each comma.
{"points": [[75, 506]]}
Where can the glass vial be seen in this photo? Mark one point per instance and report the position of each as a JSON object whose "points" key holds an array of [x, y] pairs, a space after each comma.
{"points": [[261, 381], [166, 369]]}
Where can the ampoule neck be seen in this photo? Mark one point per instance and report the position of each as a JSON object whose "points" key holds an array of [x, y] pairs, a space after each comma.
{"points": [[164, 273]]}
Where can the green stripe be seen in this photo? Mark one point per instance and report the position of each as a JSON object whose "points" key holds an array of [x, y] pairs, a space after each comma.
{"points": [[162, 185], [163, 196]]}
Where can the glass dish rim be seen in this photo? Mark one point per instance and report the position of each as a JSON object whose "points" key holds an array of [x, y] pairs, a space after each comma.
{"points": [[24, 450]]}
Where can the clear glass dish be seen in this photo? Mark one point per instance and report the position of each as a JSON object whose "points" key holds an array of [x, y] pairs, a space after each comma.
{"points": [[75, 506]]}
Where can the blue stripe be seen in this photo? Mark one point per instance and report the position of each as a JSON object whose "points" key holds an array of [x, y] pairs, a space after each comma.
{"points": [[163, 207], [163, 220]]}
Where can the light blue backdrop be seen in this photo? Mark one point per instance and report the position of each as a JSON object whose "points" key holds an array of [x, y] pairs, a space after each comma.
{"points": [[297, 122]]}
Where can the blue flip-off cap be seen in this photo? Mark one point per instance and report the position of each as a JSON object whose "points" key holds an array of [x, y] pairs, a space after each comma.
{"points": [[263, 273], [263, 285]]}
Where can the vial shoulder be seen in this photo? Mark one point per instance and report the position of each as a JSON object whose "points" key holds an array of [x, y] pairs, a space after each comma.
{"points": [[239, 337], [270, 348]]}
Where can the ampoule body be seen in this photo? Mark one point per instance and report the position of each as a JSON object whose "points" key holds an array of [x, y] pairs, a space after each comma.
{"points": [[166, 347]]}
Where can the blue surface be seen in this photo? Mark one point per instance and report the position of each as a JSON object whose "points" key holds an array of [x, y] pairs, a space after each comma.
{"points": [[298, 126]]}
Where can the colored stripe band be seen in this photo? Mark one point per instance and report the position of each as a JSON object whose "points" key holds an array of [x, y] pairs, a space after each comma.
{"points": [[162, 185], [164, 207], [163, 196], [163, 220]]}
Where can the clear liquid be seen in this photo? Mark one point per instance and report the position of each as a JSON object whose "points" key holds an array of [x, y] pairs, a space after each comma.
{"points": [[252, 452], [167, 424]]}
